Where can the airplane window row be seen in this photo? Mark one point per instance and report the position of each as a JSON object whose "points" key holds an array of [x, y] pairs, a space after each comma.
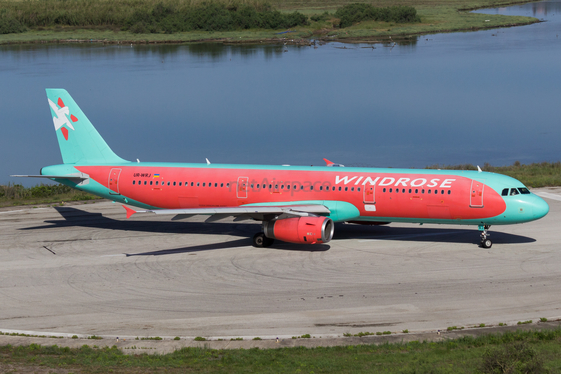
{"points": [[258, 185], [515, 191], [397, 190], [157, 183]]}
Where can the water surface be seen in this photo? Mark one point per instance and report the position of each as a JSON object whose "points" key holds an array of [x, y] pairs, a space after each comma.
{"points": [[487, 96]]}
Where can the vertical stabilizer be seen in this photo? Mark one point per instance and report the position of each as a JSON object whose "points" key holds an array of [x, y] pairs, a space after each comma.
{"points": [[79, 141]]}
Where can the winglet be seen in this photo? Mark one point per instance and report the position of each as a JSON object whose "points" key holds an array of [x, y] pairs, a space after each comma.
{"points": [[130, 211], [329, 163]]}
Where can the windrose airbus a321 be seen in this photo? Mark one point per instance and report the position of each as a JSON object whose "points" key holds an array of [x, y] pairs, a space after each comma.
{"points": [[296, 204]]}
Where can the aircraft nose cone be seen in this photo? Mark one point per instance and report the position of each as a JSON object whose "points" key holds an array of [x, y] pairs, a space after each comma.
{"points": [[539, 207]]}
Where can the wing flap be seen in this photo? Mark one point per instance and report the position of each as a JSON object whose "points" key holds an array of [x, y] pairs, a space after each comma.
{"points": [[250, 212]]}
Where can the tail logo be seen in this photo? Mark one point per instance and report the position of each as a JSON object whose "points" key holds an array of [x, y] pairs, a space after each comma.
{"points": [[60, 118]]}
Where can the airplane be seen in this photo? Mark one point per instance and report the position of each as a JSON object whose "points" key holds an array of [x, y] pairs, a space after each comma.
{"points": [[296, 204]]}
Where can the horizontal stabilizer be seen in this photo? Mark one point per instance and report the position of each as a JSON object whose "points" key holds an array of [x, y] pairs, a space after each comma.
{"points": [[77, 176]]}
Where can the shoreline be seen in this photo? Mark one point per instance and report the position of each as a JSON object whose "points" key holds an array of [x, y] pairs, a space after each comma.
{"points": [[436, 19]]}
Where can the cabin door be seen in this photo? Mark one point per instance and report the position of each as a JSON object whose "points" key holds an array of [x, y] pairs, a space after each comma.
{"points": [[114, 181], [369, 195], [476, 194], [242, 187]]}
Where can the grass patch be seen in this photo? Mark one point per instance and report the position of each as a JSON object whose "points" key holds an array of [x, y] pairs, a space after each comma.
{"points": [[543, 174], [535, 351], [16, 194]]}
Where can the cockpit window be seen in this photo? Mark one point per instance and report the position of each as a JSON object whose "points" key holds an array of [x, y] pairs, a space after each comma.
{"points": [[524, 190], [513, 192], [505, 192]]}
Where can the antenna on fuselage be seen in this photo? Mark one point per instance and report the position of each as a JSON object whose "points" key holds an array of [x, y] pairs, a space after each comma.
{"points": [[207, 161], [479, 169]]}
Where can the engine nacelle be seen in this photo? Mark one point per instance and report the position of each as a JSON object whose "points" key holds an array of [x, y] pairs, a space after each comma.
{"points": [[301, 230]]}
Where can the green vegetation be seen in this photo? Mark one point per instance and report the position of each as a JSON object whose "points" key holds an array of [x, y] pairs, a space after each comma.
{"points": [[358, 12], [152, 338], [544, 174], [256, 338], [112, 21], [200, 339], [524, 322], [16, 194], [521, 351], [177, 338], [543, 319]]}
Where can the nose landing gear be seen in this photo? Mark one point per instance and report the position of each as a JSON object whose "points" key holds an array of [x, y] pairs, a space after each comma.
{"points": [[485, 241]]}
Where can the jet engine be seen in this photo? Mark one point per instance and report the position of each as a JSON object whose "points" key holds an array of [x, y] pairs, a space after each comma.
{"points": [[301, 230]]}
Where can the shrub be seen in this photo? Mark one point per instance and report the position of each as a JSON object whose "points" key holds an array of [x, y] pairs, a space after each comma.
{"points": [[200, 339], [357, 12], [10, 25], [512, 358]]}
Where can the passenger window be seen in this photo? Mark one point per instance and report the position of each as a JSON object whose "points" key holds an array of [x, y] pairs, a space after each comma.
{"points": [[169, 183], [384, 190], [222, 185], [145, 183], [251, 185], [321, 188], [397, 190], [352, 188], [288, 186], [346, 188], [150, 182], [333, 188], [442, 192], [282, 186], [409, 190], [402, 190], [311, 188], [434, 191], [358, 189], [301, 187], [198, 184], [391, 189], [449, 191], [227, 184], [174, 183], [423, 190], [179, 184], [133, 182], [416, 190], [339, 188], [204, 184], [193, 183]]}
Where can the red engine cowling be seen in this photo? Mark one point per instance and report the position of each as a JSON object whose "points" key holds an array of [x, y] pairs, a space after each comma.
{"points": [[301, 230]]}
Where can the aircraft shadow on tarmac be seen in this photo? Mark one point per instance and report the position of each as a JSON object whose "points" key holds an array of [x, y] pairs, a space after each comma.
{"points": [[78, 218]]}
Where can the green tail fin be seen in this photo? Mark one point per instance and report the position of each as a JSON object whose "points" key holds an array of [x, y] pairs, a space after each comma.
{"points": [[79, 141]]}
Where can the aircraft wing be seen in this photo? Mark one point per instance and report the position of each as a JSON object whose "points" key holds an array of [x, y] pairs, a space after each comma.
{"points": [[255, 212]]}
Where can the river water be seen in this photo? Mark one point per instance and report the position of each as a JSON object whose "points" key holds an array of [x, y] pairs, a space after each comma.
{"points": [[475, 97]]}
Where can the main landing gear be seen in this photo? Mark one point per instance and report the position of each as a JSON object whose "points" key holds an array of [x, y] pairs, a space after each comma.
{"points": [[485, 241], [260, 240]]}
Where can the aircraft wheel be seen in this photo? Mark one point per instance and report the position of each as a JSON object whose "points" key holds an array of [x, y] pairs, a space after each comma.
{"points": [[259, 240], [487, 243]]}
